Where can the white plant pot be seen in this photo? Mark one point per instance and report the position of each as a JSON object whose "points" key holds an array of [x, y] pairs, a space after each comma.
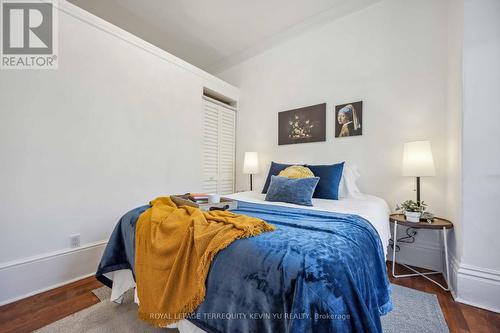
{"points": [[413, 216]]}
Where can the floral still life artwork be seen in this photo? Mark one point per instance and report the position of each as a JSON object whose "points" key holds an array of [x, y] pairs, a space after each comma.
{"points": [[307, 124], [300, 128]]}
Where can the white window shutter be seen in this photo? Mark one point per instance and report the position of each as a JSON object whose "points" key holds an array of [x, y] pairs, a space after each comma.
{"points": [[227, 150], [210, 147], [219, 136]]}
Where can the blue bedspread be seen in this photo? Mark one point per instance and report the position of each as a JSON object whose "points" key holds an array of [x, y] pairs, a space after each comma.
{"points": [[318, 272]]}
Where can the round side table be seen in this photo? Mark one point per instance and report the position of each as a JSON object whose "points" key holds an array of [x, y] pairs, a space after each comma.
{"points": [[437, 224]]}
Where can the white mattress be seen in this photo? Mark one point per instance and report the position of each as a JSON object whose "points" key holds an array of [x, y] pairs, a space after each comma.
{"points": [[372, 208]]}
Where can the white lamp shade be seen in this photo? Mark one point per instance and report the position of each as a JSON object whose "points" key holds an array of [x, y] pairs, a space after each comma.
{"points": [[417, 159], [251, 163]]}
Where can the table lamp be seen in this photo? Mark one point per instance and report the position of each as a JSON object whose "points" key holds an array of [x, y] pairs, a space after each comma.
{"points": [[418, 161], [251, 165]]}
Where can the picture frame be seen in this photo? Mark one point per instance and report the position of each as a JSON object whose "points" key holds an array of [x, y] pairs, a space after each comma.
{"points": [[302, 125], [349, 119]]}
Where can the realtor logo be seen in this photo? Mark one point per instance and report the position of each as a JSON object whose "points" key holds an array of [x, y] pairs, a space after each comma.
{"points": [[29, 39]]}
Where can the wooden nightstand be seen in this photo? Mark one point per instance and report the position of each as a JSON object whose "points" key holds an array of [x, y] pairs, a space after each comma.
{"points": [[437, 224]]}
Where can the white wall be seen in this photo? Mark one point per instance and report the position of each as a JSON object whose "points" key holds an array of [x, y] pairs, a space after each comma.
{"points": [[481, 133], [481, 155], [454, 130], [117, 124], [393, 56]]}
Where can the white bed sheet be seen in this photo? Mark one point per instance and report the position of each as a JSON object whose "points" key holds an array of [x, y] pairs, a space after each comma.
{"points": [[372, 208]]}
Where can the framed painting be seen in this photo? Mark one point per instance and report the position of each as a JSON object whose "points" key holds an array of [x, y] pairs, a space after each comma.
{"points": [[307, 124], [349, 119]]}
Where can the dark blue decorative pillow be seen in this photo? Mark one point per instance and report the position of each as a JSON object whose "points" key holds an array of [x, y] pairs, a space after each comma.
{"points": [[329, 180], [297, 191], [274, 170]]}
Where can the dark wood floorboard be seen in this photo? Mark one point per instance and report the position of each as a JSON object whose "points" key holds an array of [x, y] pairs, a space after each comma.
{"points": [[40, 310]]}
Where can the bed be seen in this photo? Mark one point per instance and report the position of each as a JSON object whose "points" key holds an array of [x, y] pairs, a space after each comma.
{"points": [[369, 207], [322, 270]]}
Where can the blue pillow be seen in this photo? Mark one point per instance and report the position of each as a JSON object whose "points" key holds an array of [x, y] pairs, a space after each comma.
{"points": [[297, 191], [329, 180], [274, 170]]}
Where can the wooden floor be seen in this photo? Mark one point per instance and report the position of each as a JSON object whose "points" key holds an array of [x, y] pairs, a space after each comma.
{"points": [[40, 310], [37, 311]]}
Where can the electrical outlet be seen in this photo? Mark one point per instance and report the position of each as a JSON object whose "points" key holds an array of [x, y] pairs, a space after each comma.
{"points": [[74, 240]]}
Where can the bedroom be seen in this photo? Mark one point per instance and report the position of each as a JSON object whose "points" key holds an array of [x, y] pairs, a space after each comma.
{"points": [[127, 104]]}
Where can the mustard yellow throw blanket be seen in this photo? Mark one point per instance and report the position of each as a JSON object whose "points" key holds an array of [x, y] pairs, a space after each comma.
{"points": [[173, 252]]}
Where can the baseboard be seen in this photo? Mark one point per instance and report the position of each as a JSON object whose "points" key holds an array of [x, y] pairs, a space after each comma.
{"points": [[478, 305], [476, 286], [29, 276]]}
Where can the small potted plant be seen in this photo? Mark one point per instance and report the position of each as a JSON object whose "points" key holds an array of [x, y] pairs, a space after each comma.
{"points": [[412, 210]]}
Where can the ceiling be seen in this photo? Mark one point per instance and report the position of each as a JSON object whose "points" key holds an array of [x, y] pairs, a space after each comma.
{"points": [[213, 34]]}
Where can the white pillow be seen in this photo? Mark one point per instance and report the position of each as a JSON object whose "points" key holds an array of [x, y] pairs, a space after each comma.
{"points": [[348, 187]]}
